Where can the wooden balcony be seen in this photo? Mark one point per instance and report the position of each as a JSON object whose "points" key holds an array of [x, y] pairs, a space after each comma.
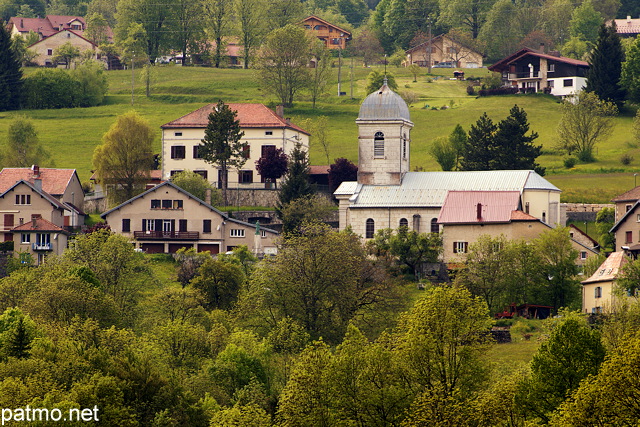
{"points": [[166, 235]]}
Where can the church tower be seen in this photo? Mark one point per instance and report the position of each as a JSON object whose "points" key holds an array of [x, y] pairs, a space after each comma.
{"points": [[384, 129]]}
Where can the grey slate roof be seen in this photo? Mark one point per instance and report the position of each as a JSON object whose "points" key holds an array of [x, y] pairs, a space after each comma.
{"points": [[384, 104], [429, 189]]}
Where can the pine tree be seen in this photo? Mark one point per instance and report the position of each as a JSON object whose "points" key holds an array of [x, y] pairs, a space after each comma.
{"points": [[296, 181], [479, 149], [514, 149], [10, 74], [603, 77], [19, 342]]}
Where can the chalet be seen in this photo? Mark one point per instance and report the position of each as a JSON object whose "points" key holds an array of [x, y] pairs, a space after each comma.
{"points": [[331, 35], [533, 71], [443, 49], [166, 218], [263, 130]]}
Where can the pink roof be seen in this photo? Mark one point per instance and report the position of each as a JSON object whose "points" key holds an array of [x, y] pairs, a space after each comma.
{"points": [[627, 26], [521, 216], [54, 181], [319, 170], [50, 25], [40, 225], [461, 207], [609, 269], [249, 115]]}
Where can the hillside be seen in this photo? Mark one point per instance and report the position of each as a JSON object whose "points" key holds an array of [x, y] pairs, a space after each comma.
{"points": [[71, 134]]}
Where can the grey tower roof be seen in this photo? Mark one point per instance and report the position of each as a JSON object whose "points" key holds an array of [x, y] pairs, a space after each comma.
{"points": [[384, 104]]}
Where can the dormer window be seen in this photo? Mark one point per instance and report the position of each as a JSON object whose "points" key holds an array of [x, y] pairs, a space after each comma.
{"points": [[378, 145]]}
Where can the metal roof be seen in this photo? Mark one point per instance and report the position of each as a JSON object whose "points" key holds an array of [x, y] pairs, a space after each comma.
{"points": [[429, 189], [346, 187], [384, 104], [461, 207]]}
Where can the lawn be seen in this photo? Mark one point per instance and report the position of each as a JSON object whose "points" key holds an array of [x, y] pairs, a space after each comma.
{"points": [[71, 135]]}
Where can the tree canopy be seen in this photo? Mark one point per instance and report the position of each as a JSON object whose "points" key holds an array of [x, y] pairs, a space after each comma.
{"points": [[10, 74]]}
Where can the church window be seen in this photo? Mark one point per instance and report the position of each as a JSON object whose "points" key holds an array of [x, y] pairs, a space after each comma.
{"points": [[370, 228], [435, 228], [404, 222], [378, 144]]}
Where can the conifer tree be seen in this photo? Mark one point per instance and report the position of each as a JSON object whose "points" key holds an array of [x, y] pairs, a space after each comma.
{"points": [[480, 145], [296, 181], [603, 77], [515, 149], [10, 74], [19, 342]]}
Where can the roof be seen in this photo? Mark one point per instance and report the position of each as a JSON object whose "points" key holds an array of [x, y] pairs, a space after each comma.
{"points": [[583, 234], [54, 181], [522, 216], [624, 217], [186, 193], [429, 189], [49, 25], [45, 195], [504, 63], [41, 224], [327, 23], [249, 115], [627, 26], [384, 104], [632, 195], [461, 207], [609, 269], [319, 170]]}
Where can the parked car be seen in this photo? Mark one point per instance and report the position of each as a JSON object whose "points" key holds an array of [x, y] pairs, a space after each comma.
{"points": [[444, 65]]}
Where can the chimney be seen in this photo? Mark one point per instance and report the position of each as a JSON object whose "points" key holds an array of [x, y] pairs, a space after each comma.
{"points": [[36, 171], [207, 196], [280, 110], [288, 120], [21, 23], [33, 221], [37, 183], [628, 19], [479, 211], [541, 47]]}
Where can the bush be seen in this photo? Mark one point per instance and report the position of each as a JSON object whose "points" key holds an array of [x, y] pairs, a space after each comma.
{"points": [[498, 91], [470, 90], [570, 162], [626, 159]]}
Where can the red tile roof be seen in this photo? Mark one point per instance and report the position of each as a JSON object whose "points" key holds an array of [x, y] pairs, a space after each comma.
{"points": [[631, 195], [461, 207], [521, 216], [319, 170], [627, 26], [504, 63], [249, 115], [54, 181], [41, 224], [50, 25]]}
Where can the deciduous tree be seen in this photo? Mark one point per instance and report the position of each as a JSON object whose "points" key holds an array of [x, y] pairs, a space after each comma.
{"points": [[272, 165], [375, 80], [23, 148], [341, 170], [220, 19], [585, 21], [250, 18], [124, 159], [444, 153], [195, 184]]}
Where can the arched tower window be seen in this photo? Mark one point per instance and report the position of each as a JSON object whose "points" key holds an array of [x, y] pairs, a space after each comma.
{"points": [[378, 144], [404, 146], [435, 228], [370, 228], [404, 222]]}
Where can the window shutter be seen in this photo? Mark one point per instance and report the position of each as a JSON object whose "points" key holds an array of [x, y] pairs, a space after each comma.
{"points": [[455, 247], [144, 225], [465, 247], [183, 225]]}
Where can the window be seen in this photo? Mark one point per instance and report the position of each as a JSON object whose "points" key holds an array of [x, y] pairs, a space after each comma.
{"points": [[177, 152], [638, 218], [551, 68], [167, 225], [404, 146], [583, 255], [49, 52], [370, 228], [23, 199], [435, 228], [627, 208], [166, 204], [265, 149], [598, 292], [236, 232], [628, 237], [416, 223], [177, 204], [177, 134], [460, 247], [268, 132], [126, 225], [263, 233], [308, 27], [544, 216], [155, 203], [148, 225], [43, 240], [245, 177], [246, 151], [378, 145], [404, 222], [526, 207], [173, 172], [567, 82], [203, 174], [25, 238], [206, 226], [319, 27], [335, 41], [551, 84], [196, 152], [182, 225]]}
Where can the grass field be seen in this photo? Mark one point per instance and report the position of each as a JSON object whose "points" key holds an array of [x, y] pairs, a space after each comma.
{"points": [[72, 134]]}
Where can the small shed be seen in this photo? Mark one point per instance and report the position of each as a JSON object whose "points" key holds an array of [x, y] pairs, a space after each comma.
{"points": [[458, 75]]}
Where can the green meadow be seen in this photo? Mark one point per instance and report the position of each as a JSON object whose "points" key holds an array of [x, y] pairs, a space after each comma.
{"points": [[71, 135]]}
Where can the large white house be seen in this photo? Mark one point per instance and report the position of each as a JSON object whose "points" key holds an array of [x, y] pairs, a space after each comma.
{"points": [[263, 130]]}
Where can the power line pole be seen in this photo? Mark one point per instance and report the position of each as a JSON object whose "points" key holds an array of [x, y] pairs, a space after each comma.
{"points": [[339, 71], [133, 53], [352, 77]]}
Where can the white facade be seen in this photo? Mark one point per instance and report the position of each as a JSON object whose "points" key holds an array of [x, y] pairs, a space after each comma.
{"points": [[566, 86]]}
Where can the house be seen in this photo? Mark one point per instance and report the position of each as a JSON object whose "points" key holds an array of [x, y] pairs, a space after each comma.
{"points": [[50, 25], [441, 49], [263, 130], [627, 27], [60, 185], [467, 215], [598, 294], [388, 195], [39, 238], [533, 71], [166, 218], [627, 230], [583, 238], [333, 36], [46, 49], [625, 201]]}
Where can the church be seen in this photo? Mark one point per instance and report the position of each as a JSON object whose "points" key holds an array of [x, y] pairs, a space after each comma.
{"points": [[388, 195]]}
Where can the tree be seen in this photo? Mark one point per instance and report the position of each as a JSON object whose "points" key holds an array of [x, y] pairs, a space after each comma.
{"points": [[188, 26], [479, 147], [575, 48], [413, 248], [444, 153], [250, 18], [340, 171], [375, 80], [458, 139], [366, 43], [585, 21], [272, 165], [515, 149], [220, 282], [304, 210], [470, 13], [321, 71], [605, 75], [296, 181], [282, 64], [92, 83], [154, 16], [23, 148], [65, 54], [10, 74], [195, 184], [124, 159], [319, 129], [605, 219], [97, 29], [219, 13], [222, 145], [631, 71], [584, 123], [25, 56]]}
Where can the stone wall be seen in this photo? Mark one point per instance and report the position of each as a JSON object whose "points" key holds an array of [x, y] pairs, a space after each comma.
{"points": [[252, 197], [581, 211]]}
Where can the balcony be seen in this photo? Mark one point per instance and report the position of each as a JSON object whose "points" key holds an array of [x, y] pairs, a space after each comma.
{"points": [[41, 246], [166, 235], [524, 75]]}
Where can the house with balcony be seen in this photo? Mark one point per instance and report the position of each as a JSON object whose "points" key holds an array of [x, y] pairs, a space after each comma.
{"points": [[39, 238], [533, 71], [331, 35], [263, 130], [166, 218]]}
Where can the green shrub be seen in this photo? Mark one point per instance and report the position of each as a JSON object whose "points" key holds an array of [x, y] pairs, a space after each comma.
{"points": [[570, 162], [626, 159], [51, 88]]}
